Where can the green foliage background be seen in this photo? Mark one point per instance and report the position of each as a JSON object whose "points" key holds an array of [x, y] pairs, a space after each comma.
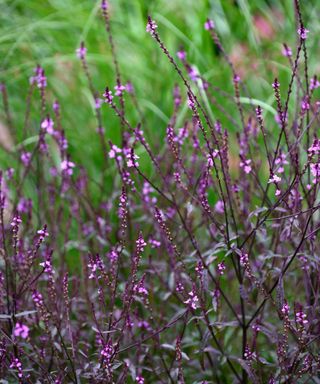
{"points": [[49, 31]]}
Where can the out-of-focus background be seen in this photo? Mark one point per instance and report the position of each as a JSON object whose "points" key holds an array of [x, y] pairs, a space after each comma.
{"points": [[47, 32]]}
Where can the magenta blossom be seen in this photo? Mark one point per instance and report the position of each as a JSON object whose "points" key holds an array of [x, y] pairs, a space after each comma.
{"points": [[192, 301], [81, 52], [182, 55], [209, 25], [21, 330], [25, 158], [67, 167], [219, 207], [47, 126], [119, 89], [245, 164], [108, 96], [303, 33], [151, 27]]}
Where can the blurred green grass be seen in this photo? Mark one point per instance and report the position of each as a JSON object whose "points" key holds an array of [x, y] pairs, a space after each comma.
{"points": [[49, 31]]}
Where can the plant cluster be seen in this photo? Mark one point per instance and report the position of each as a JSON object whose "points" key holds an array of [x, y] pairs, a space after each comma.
{"points": [[199, 265]]}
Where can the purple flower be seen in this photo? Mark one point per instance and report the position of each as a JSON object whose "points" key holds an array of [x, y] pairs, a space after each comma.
{"points": [[47, 125], [315, 170], [108, 96], [81, 52], [119, 89], [217, 126], [245, 164], [129, 87], [191, 103], [25, 158], [47, 265], [16, 364], [199, 269], [182, 55], [281, 161], [193, 74], [146, 192], [56, 106], [305, 106], [303, 33], [140, 379], [301, 318], [248, 354], [315, 147], [9, 173], [259, 111], [144, 324], [93, 267], [314, 83], [286, 51], [107, 351], [97, 102], [281, 117], [141, 244], [21, 330], [209, 25], [221, 268], [140, 288], [16, 221], [256, 327], [113, 151], [67, 167], [123, 205], [219, 207], [244, 259], [285, 309], [113, 255], [43, 233], [154, 243], [62, 141], [276, 84], [151, 26], [104, 5], [39, 78], [131, 160], [274, 179], [236, 78], [277, 192], [24, 205], [179, 287], [192, 301], [37, 298]]}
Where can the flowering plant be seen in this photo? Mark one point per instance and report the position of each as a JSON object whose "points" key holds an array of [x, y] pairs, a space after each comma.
{"points": [[191, 268]]}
